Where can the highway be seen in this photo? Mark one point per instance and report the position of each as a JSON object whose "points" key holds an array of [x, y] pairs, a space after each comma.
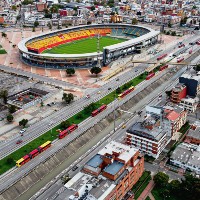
{"points": [[43, 126], [10, 178], [51, 192]]}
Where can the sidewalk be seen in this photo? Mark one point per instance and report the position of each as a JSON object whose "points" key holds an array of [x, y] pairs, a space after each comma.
{"points": [[147, 192]]}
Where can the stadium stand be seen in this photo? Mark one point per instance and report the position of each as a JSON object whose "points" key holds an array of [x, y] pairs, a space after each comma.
{"points": [[45, 43]]}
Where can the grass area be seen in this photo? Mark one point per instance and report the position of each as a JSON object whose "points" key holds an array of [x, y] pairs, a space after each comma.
{"points": [[157, 193], [53, 134], [185, 128], [2, 51], [142, 183], [148, 198], [88, 45]]}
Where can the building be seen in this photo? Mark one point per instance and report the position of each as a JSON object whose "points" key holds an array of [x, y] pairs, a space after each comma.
{"points": [[108, 175], [174, 117], [178, 92], [193, 135], [192, 83], [187, 156], [189, 104], [148, 136], [152, 134]]}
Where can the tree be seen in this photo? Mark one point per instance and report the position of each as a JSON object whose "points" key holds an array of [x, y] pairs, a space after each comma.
{"points": [[134, 21], [197, 67], [95, 70], [79, 116], [10, 118], [93, 8], [118, 90], [190, 187], [70, 71], [68, 97], [169, 25], [173, 33], [12, 109], [36, 23], [174, 186], [26, 2], [14, 7], [3, 34], [23, 122], [168, 93], [4, 96], [10, 161], [161, 179], [33, 30], [65, 124], [90, 108]]}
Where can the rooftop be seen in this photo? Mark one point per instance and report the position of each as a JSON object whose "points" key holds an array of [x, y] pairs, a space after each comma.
{"points": [[195, 133], [95, 161], [172, 115], [114, 168], [155, 134], [125, 152], [86, 185], [179, 87], [188, 154]]}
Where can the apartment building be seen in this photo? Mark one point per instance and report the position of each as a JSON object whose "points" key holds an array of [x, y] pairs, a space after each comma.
{"points": [[178, 92], [152, 134], [108, 175], [189, 104]]}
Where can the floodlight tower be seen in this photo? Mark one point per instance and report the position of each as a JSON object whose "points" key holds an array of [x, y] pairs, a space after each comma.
{"points": [[98, 50]]}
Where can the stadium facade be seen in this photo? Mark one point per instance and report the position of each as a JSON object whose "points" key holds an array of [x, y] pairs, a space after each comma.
{"points": [[138, 37]]}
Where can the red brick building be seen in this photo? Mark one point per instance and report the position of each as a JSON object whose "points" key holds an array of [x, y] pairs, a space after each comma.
{"points": [[108, 175], [178, 92]]}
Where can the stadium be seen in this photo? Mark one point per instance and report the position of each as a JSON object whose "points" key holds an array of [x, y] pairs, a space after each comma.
{"points": [[85, 46]]}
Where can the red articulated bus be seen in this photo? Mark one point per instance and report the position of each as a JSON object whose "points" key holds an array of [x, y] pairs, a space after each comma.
{"points": [[161, 57], [123, 94], [68, 131], [163, 67], [33, 153], [180, 59], [150, 76], [97, 111], [44, 146]]}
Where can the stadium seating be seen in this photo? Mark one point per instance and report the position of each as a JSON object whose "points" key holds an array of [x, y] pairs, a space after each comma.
{"points": [[49, 42], [44, 43]]}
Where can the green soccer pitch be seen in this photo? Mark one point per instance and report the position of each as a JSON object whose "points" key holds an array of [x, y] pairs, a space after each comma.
{"points": [[88, 45]]}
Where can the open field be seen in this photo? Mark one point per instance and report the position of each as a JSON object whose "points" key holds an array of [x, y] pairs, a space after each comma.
{"points": [[88, 45]]}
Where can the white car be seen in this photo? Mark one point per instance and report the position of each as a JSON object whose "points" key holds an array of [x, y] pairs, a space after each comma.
{"points": [[22, 131]]}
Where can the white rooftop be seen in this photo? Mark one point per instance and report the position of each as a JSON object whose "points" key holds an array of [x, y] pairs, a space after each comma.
{"points": [[126, 152]]}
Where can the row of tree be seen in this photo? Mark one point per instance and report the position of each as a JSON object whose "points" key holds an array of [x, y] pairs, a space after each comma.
{"points": [[93, 70], [187, 188]]}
